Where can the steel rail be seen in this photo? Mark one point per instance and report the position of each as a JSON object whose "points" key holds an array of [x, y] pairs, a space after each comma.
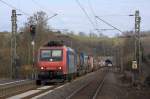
{"points": [[99, 88], [82, 87], [76, 91]]}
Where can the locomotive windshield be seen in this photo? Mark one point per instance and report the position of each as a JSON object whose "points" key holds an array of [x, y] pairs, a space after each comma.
{"points": [[45, 53], [51, 55], [56, 53]]}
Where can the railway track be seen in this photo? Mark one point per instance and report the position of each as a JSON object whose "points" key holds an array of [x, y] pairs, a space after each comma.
{"points": [[99, 88], [90, 87], [90, 90]]}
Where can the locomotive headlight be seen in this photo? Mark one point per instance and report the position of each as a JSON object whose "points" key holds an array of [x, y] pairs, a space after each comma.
{"points": [[59, 67], [42, 68]]}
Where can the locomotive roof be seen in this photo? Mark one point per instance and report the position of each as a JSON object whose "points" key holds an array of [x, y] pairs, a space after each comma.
{"points": [[48, 47], [57, 47], [54, 43]]}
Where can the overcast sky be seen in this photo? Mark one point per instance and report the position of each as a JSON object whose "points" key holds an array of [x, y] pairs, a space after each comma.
{"points": [[71, 17]]}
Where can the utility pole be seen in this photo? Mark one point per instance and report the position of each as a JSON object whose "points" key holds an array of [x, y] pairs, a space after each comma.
{"points": [[137, 40], [136, 64], [14, 56], [13, 44]]}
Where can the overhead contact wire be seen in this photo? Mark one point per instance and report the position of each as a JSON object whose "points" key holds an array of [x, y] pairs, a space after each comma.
{"points": [[82, 8], [11, 6]]}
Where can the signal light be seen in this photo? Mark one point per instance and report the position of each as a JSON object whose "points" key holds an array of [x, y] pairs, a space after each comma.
{"points": [[32, 30]]}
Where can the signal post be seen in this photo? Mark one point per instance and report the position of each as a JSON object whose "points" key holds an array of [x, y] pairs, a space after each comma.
{"points": [[33, 32]]}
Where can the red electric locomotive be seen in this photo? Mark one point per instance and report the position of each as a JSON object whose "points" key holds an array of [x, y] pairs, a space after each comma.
{"points": [[56, 62]]}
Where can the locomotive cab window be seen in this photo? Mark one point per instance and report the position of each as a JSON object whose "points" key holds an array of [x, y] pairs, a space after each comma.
{"points": [[51, 55], [45, 54], [56, 53]]}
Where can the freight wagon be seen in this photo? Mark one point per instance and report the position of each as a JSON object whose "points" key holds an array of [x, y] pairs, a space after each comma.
{"points": [[84, 63]]}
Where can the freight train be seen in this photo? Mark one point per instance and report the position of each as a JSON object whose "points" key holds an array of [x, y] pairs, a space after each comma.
{"points": [[57, 62]]}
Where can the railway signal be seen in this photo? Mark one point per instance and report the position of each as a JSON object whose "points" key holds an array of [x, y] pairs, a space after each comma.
{"points": [[32, 31]]}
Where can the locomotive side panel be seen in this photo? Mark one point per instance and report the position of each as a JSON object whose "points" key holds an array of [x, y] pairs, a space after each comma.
{"points": [[71, 62]]}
